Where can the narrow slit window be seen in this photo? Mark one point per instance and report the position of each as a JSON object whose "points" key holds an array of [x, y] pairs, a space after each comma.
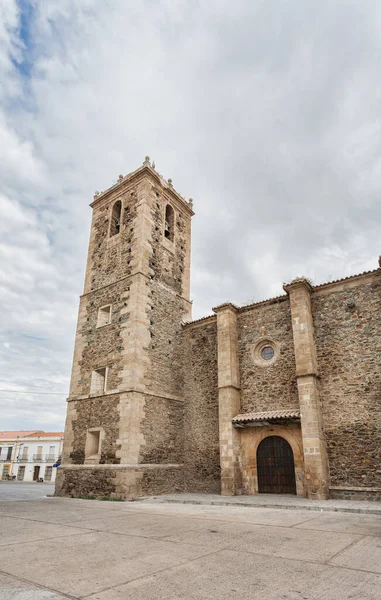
{"points": [[169, 223], [104, 316], [115, 218], [98, 381]]}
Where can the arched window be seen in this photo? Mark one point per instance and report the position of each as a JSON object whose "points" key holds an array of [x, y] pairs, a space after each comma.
{"points": [[169, 223], [115, 218]]}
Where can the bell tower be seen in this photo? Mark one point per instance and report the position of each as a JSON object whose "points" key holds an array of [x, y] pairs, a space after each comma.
{"points": [[124, 425]]}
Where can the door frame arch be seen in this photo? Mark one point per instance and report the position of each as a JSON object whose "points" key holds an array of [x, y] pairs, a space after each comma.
{"points": [[275, 466], [251, 437]]}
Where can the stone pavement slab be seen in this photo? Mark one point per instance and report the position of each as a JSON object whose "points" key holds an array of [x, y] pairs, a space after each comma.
{"points": [[86, 563], [365, 556], [292, 543], [228, 575], [353, 523], [14, 531], [14, 589], [146, 525], [18, 491]]}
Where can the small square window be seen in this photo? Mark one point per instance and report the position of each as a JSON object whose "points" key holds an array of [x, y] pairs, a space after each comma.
{"points": [[104, 316], [98, 381]]}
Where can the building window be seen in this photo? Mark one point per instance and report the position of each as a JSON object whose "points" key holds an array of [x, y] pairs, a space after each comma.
{"points": [[38, 456], [267, 353], [21, 473], [104, 315], [48, 473], [9, 453], [51, 456], [169, 223], [115, 218], [5, 472], [98, 381]]}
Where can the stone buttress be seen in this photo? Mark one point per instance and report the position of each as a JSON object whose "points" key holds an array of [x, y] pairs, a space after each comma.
{"points": [[314, 445]]}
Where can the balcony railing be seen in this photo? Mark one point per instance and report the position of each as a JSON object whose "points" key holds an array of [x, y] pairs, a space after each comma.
{"points": [[38, 458], [22, 459], [5, 459], [50, 458]]}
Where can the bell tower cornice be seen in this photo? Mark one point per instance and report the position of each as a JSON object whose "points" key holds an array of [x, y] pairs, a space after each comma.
{"points": [[147, 168]]}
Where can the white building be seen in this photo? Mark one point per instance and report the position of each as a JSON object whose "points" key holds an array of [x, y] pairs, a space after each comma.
{"points": [[30, 455]]}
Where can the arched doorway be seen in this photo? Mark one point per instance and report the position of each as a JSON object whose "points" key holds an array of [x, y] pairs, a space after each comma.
{"points": [[275, 466]]}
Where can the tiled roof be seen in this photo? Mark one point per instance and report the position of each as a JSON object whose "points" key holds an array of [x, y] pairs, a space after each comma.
{"points": [[46, 434], [267, 415], [199, 320], [273, 300], [284, 297], [7, 435], [11, 435], [316, 287]]}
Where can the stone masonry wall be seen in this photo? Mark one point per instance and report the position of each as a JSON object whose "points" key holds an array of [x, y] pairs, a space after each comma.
{"points": [[348, 340], [168, 258], [202, 458], [111, 257], [90, 483], [262, 387], [103, 345], [96, 412], [163, 431], [166, 348], [163, 423], [118, 483]]}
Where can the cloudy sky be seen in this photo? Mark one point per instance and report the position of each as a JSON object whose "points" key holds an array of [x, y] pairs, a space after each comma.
{"points": [[266, 112]]}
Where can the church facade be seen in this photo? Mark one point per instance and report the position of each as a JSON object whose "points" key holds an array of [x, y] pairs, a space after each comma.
{"points": [[281, 396]]}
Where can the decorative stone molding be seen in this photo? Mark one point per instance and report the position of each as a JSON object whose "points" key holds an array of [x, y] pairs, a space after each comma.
{"points": [[261, 344]]}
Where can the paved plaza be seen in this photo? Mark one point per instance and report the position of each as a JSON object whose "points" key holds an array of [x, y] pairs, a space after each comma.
{"points": [[17, 491], [56, 548]]}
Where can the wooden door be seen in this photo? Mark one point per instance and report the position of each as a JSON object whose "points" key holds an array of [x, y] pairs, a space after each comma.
{"points": [[5, 472], [36, 473], [275, 466]]}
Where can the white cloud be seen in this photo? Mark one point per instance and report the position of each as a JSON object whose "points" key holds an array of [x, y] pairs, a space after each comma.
{"points": [[267, 114]]}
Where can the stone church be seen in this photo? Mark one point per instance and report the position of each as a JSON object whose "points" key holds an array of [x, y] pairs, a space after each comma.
{"points": [[281, 396]]}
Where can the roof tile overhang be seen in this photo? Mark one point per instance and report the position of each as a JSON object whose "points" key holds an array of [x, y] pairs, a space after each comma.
{"points": [[267, 417]]}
